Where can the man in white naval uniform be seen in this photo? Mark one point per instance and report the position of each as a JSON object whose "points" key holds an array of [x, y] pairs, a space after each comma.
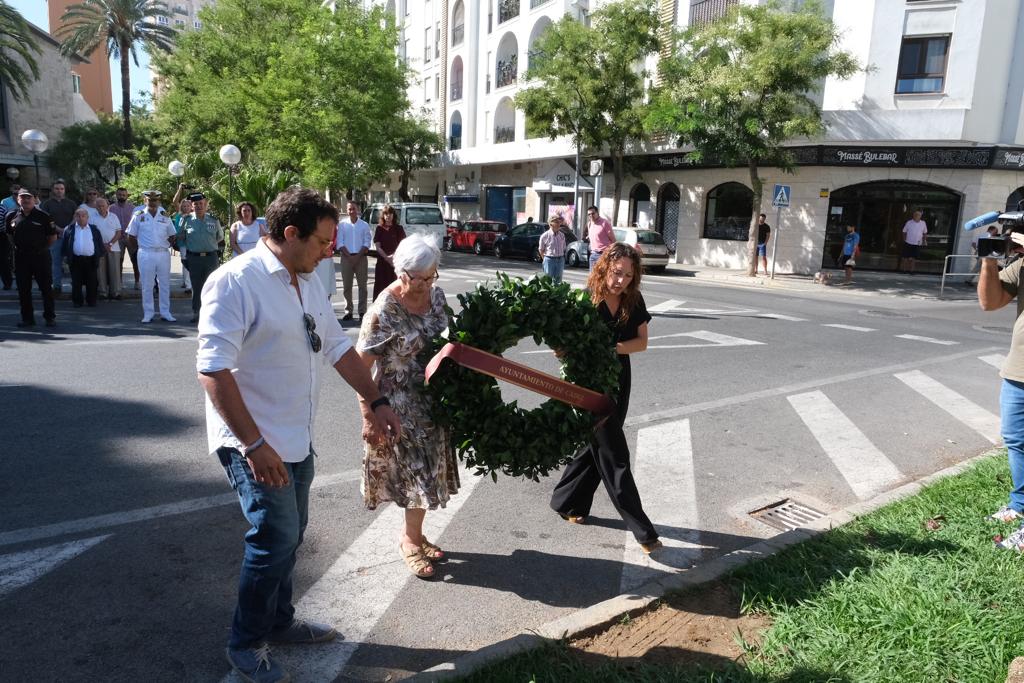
{"points": [[152, 230]]}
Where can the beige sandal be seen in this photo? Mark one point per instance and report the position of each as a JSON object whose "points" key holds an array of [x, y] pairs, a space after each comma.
{"points": [[417, 562], [431, 551]]}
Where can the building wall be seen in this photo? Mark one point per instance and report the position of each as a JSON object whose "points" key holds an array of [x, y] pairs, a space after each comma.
{"points": [[95, 75]]}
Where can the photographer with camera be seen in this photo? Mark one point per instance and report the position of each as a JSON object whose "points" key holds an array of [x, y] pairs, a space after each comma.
{"points": [[995, 290]]}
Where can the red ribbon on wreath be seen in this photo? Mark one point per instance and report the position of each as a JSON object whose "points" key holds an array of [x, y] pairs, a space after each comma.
{"points": [[522, 376]]}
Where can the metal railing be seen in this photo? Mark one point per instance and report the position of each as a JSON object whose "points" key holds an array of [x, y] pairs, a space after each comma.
{"points": [[455, 143], [507, 9], [707, 11], [504, 134], [945, 268], [538, 3], [505, 72]]}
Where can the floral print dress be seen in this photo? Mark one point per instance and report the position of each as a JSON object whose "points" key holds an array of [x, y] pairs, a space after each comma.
{"points": [[420, 470]]}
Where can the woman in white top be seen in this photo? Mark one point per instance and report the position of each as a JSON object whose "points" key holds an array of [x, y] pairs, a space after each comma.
{"points": [[246, 231]]}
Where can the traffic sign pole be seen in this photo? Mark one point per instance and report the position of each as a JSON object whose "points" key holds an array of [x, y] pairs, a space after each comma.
{"points": [[775, 238], [780, 198]]}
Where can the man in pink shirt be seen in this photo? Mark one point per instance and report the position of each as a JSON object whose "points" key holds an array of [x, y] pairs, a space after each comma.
{"points": [[914, 231], [599, 232]]}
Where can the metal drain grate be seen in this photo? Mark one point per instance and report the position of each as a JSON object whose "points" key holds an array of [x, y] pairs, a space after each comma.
{"points": [[786, 515], [885, 314]]}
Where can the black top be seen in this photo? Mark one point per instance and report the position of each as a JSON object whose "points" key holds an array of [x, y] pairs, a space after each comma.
{"points": [[762, 233], [62, 212], [32, 232], [624, 331]]}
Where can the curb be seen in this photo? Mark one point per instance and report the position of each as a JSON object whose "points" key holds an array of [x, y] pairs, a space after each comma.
{"points": [[597, 617]]}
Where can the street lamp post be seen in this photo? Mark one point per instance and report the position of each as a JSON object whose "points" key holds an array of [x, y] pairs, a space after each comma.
{"points": [[36, 142], [231, 156], [176, 169]]}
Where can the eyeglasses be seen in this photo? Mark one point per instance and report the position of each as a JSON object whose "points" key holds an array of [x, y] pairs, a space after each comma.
{"points": [[428, 280], [314, 338]]}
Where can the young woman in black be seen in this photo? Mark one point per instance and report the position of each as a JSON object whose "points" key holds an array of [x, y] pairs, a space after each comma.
{"points": [[614, 286]]}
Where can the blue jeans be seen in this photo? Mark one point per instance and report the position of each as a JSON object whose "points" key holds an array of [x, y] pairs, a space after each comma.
{"points": [[553, 267], [1011, 409], [58, 265], [594, 256], [278, 518]]}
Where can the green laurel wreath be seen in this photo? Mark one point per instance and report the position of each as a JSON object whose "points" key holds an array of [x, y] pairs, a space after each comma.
{"points": [[493, 436]]}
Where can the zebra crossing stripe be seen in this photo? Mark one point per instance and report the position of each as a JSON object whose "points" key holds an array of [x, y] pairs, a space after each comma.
{"points": [[996, 360], [665, 306], [710, 339], [865, 468], [927, 340], [663, 470], [960, 407], [780, 316], [851, 328]]}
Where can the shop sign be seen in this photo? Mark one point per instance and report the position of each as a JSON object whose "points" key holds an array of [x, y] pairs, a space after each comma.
{"points": [[560, 178], [860, 156], [1006, 158]]}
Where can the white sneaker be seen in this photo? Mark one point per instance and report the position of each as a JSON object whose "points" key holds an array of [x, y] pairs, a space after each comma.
{"points": [[1005, 514], [169, 318], [147, 320]]}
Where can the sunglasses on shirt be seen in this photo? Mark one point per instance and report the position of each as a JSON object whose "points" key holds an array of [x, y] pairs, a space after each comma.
{"points": [[314, 338]]}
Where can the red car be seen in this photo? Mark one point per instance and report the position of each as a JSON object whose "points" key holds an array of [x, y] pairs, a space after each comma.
{"points": [[477, 236]]}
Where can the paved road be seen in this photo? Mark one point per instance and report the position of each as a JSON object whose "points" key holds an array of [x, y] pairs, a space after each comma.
{"points": [[120, 540]]}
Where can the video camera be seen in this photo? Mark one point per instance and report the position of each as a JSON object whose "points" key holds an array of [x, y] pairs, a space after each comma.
{"points": [[1012, 232]]}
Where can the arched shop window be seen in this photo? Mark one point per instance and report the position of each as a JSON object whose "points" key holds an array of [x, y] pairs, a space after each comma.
{"points": [[667, 222], [639, 203], [879, 211], [727, 212], [1013, 201]]}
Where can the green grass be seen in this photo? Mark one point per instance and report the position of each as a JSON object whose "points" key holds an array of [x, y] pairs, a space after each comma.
{"points": [[881, 599]]}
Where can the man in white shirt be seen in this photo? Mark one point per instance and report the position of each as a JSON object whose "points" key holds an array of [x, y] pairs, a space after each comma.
{"points": [[152, 233], [82, 246], [914, 231], [267, 334], [353, 245], [110, 263]]}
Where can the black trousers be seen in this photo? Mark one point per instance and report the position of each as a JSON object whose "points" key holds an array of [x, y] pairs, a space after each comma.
{"points": [[83, 274], [6, 261], [606, 460], [38, 266]]}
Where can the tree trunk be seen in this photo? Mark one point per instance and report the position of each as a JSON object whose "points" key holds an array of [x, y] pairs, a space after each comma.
{"points": [[126, 96], [758, 187], [403, 189], [617, 174]]}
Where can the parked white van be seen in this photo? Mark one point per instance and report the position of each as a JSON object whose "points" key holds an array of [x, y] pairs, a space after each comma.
{"points": [[424, 219]]}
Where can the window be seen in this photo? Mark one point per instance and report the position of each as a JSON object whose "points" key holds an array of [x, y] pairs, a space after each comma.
{"points": [[426, 45], [437, 40], [507, 10], [197, 24], [455, 132], [456, 80], [437, 87], [163, 20], [405, 51], [727, 215], [423, 215], [426, 89], [708, 11], [922, 67], [458, 24], [76, 83]]}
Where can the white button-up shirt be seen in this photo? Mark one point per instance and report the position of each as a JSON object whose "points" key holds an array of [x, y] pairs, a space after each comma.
{"points": [[252, 323], [151, 231], [108, 227], [83, 245], [353, 236]]}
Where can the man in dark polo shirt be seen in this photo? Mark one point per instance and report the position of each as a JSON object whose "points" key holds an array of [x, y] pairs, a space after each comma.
{"points": [[62, 211], [32, 232]]}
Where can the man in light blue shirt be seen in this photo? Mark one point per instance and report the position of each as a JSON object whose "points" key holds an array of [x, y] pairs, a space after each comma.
{"points": [[353, 244]]}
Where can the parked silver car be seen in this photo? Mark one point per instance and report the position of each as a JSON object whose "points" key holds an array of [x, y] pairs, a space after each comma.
{"points": [[653, 252]]}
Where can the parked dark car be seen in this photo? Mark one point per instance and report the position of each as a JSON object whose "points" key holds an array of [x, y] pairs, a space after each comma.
{"points": [[476, 236], [522, 240]]}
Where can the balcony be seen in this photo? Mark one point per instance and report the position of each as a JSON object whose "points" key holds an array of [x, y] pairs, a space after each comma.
{"points": [[458, 34], [504, 134], [456, 92], [708, 11], [507, 9], [506, 71]]}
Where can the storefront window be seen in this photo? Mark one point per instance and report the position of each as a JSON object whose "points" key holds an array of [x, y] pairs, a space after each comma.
{"points": [[727, 215], [879, 212]]}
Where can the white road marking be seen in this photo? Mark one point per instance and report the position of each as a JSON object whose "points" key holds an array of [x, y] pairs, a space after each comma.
{"points": [[18, 570], [356, 591], [665, 306], [996, 360], [852, 328], [663, 469], [960, 407], [928, 340], [863, 466], [712, 339], [780, 316], [87, 524]]}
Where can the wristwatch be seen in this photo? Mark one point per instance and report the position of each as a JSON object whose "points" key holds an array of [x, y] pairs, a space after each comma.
{"points": [[382, 401]]}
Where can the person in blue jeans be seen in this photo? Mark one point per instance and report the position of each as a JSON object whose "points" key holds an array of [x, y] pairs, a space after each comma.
{"points": [[267, 334], [551, 248], [848, 258], [996, 289]]}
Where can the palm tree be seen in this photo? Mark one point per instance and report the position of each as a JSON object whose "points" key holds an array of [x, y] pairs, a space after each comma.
{"points": [[18, 68], [120, 25]]}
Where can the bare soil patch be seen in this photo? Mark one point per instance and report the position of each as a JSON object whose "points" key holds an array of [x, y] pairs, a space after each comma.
{"points": [[700, 628]]}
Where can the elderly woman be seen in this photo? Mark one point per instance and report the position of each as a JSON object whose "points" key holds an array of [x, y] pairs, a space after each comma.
{"points": [[417, 472], [386, 238], [614, 286]]}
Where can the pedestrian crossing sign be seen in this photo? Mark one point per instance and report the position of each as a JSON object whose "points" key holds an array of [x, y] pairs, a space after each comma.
{"points": [[780, 197]]}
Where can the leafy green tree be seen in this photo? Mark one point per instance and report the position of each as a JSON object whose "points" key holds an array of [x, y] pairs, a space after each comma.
{"points": [[590, 81], [119, 26], [739, 88], [306, 88], [89, 154], [413, 145], [18, 47]]}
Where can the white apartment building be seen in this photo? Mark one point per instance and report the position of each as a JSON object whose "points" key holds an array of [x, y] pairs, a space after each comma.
{"points": [[935, 124], [185, 13]]}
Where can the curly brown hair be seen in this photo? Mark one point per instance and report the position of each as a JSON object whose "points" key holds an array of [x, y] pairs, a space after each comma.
{"points": [[597, 282]]}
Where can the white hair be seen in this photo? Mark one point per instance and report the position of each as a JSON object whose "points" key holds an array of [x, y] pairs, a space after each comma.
{"points": [[417, 254]]}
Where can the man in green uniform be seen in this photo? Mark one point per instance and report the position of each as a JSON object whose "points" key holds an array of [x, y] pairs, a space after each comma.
{"points": [[200, 233]]}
